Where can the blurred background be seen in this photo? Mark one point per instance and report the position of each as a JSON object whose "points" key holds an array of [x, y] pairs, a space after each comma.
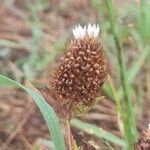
{"points": [[34, 33]]}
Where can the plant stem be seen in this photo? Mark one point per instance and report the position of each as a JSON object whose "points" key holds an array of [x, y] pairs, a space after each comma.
{"points": [[69, 140], [127, 113]]}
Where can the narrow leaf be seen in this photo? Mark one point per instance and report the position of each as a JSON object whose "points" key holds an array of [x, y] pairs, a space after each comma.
{"points": [[98, 132], [47, 111]]}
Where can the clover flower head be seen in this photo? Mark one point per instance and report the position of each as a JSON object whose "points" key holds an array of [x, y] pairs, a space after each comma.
{"points": [[81, 70], [80, 32]]}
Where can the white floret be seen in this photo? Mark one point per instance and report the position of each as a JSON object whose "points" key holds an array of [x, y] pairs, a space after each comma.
{"points": [[80, 32], [149, 126]]}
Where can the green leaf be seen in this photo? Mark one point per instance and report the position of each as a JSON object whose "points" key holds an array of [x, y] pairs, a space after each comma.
{"points": [[47, 111], [98, 132], [135, 67]]}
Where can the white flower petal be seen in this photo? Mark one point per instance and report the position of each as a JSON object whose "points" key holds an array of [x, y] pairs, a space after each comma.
{"points": [[80, 32], [85, 28], [74, 33], [96, 32], [90, 30], [94, 26], [79, 27], [149, 126]]}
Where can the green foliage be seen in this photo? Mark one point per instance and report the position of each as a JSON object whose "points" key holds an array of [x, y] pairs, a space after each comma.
{"points": [[80, 109], [98, 132], [47, 111], [139, 20], [126, 109], [143, 21]]}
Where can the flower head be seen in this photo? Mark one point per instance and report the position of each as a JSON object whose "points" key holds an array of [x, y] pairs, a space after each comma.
{"points": [[81, 70], [80, 32]]}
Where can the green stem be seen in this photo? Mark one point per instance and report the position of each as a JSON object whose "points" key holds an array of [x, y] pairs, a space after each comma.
{"points": [[127, 114]]}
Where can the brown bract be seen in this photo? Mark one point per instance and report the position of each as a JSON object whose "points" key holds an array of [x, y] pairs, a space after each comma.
{"points": [[144, 141], [81, 72]]}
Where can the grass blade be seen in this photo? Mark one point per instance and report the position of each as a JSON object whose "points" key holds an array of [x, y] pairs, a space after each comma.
{"points": [[127, 112], [135, 67], [137, 64], [98, 132], [47, 111]]}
